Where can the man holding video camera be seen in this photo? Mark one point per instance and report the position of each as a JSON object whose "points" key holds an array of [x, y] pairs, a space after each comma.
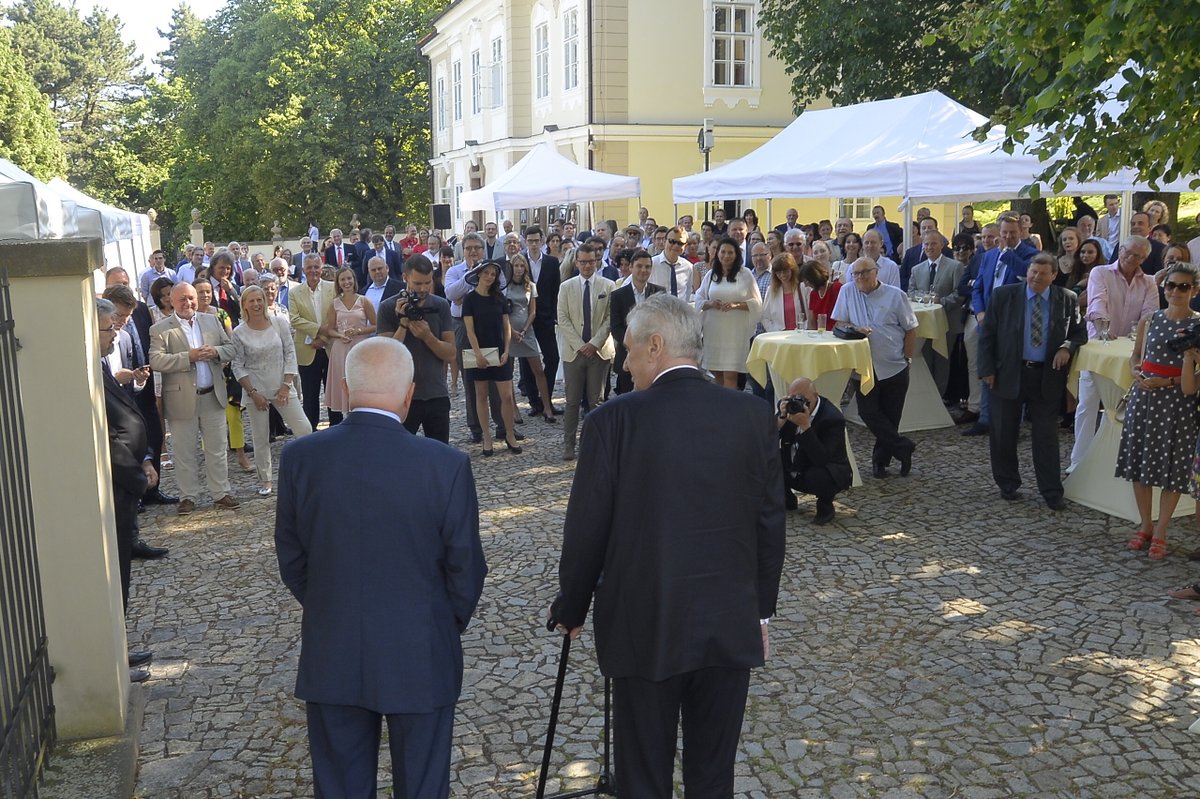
{"points": [[421, 321], [812, 444]]}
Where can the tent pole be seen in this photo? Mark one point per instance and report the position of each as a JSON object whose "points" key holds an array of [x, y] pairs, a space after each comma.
{"points": [[769, 219], [1127, 212], [908, 215]]}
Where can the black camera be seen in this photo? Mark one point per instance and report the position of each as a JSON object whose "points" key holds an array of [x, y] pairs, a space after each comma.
{"points": [[793, 405], [1187, 340], [412, 308]]}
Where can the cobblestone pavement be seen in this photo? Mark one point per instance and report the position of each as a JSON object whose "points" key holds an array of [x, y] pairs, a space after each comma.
{"points": [[933, 642]]}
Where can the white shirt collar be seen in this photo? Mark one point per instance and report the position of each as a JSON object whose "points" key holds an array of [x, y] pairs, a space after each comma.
{"points": [[378, 411]]}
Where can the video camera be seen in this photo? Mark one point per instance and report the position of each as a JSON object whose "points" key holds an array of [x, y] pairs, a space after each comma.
{"points": [[1187, 340], [793, 405]]}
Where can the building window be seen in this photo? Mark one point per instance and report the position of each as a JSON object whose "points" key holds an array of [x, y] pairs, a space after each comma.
{"points": [[541, 60], [441, 103], [733, 43], [458, 190], [476, 82], [854, 207], [497, 73], [456, 77], [571, 50]]}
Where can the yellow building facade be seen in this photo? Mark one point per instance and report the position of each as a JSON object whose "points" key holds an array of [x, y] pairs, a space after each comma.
{"points": [[620, 86]]}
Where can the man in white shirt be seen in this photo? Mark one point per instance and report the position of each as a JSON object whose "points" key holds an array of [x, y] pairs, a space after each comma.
{"points": [[382, 285], [737, 232], [889, 270], [187, 272], [158, 268], [624, 299], [670, 270], [583, 322]]}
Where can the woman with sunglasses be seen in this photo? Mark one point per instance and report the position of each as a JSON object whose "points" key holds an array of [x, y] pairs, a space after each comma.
{"points": [[1158, 441]]}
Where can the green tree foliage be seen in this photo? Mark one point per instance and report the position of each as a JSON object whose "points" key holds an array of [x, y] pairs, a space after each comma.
{"points": [[286, 109], [853, 51], [1057, 53], [95, 84], [28, 133]]}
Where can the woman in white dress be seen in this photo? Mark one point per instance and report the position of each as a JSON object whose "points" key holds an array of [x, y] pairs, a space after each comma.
{"points": [[730, 307], [264, 363]]}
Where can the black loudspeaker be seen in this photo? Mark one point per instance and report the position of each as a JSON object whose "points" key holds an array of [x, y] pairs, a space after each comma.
{"points": [[440, 212]]}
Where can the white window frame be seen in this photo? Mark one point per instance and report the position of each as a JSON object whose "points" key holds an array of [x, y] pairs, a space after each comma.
{"points": [[849, 207], [541, 61], [458, 190], [571, 49], [749, 90], [440, 99], [476, 82], [456, 88], [497, 72]]}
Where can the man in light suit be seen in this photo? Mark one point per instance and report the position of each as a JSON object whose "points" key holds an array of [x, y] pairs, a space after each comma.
{"points": [[684, 586], [187, 349], [386, 598], [1029, 335], [308, 302], [1108, 227], [583, 320], [1004, 265], [637, 289], [940, 274]]}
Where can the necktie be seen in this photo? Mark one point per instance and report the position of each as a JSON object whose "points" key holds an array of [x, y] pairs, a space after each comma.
{"points": [[339, 255], [674, 281], [139, 357], [1035, 324], [587, 311], [932, 273]]}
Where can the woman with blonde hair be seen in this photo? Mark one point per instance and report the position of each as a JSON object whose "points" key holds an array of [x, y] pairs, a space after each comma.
{"points": [[521, 292], [349, 319], [264, 364]]}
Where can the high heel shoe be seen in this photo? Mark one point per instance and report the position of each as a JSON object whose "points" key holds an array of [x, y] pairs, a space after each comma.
{"points": [[550, 418], [487, 453], [513, 450]]}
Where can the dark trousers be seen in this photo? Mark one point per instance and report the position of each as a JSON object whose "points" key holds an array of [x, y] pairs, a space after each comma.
{"points": [[125, 508], [814, 480], [1005, 428], [433, 415], [624, 379], [344, 741], [154, 429], [312, 377], [548, 344], [462, 342], [881, 411], [646, 718]]}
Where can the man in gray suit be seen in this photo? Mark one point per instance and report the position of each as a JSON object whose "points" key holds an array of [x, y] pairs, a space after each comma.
{"points": [[940, 274], [1029, 335], [188, 349], [386, 590]]}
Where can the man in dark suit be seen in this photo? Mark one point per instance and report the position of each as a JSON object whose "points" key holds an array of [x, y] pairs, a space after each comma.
{"points": [[684, 586], [624, 300], [546, 272], [386, 595], [890, 232], [812, 446], [792, 222], [1029, 336], [916, 253], [296, 268], [340, 253], [395, 265]]}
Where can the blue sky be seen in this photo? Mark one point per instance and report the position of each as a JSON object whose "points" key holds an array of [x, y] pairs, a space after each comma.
{"points": [[143, 18]]}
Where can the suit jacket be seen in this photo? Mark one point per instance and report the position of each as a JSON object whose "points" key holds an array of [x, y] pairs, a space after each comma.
{"points": [[169, 356], [298, 263], [783, 229], [548, 283], [127, 441], [822, 445], [388, 589], [620, 304], [395, 267], [302, 312], [912, 257], [682, 581], [349, 252], [570, 317], [1002, 340], [895, 233], [1104, 224], [1015, 263], [945, 285]]}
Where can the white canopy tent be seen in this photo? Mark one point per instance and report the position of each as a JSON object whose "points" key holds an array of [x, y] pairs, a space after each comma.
{"points": [[821, 153], [126, 235], [29, 209], [546, 177]]}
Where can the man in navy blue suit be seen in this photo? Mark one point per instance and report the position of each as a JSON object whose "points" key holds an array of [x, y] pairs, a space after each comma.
{"points": [[387, 589], [1004, 265]]}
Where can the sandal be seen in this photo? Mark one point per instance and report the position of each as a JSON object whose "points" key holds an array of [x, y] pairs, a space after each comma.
{"points": [[1140, 540], [1191, 592], [1158, 549]]}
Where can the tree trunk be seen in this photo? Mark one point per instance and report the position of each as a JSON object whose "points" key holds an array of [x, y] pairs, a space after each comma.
{"points": [[1043, 225]]}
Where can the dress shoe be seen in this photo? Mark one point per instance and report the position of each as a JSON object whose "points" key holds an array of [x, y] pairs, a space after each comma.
{"points": [[157, 497], [906, 464], [824, 514], [138, 675], [477, 438], [144, 551], [966, 417], [228, 501], [976, 429], [185, 506], [1010, 494], [140, 658], [1056, 503], [568, 453], [790, 501], [558, 411], [534, 411], [878, 470], [141, 506]]}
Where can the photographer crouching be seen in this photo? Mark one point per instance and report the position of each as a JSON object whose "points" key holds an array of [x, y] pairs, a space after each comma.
{"points": [[812, 444], [421, 321]]}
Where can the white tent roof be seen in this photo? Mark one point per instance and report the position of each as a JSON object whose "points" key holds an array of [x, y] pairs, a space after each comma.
{"points": [[545, 177], [820, 153], [29, 209], [117, 224]]}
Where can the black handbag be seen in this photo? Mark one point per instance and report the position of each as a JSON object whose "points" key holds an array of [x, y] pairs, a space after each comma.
{"points": [[848, 333]]}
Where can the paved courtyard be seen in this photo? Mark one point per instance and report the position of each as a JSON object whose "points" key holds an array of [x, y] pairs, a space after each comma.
{"points": [[933, 642]]}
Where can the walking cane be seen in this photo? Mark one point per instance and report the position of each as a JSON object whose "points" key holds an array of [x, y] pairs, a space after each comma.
{"points": [[604, 785]]}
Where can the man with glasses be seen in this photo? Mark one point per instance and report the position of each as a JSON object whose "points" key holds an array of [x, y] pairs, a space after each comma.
{"points": [[1118, 297], [884, 315], [670, 269], [545, 272]]}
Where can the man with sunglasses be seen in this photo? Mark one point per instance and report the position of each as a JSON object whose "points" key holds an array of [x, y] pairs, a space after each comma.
{"points": [[670, 269], [1120, 295]]}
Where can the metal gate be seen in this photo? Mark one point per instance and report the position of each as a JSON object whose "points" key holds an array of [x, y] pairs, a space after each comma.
{"points": [[26, 705]]}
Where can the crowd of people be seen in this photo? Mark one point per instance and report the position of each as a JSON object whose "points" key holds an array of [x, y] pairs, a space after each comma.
{"points": [[499, 311]]}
